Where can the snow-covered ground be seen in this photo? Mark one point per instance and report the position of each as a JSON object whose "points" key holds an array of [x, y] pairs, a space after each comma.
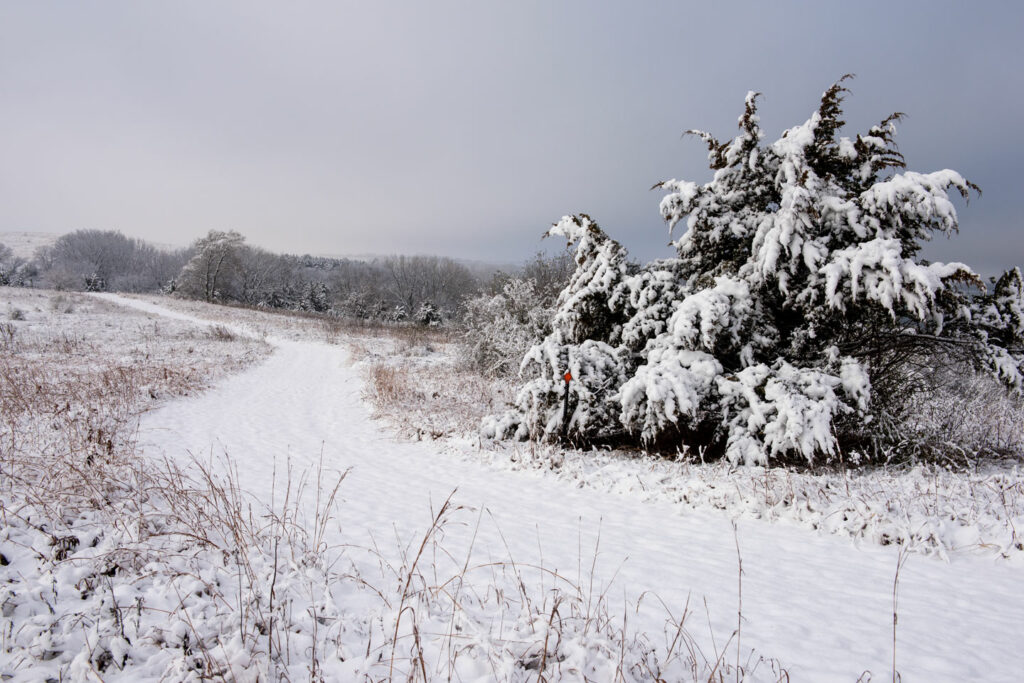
{"points": [[819, 604]]}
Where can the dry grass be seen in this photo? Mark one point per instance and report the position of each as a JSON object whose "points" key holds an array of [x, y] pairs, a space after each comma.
{"points": [[73, 390], [73, 493], [221, 333], [308, 325], [390, 385], [435, 400], [415, 382], [119, 564]]}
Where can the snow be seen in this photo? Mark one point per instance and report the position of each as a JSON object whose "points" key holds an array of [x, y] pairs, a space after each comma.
{"points": [[673, 383], [702, 317], [877, 270], [25, 244], [916, 195], [821, 605]]}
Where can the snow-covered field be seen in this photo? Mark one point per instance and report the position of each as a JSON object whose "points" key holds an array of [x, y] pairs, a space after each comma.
{"points": [[449, 559]]}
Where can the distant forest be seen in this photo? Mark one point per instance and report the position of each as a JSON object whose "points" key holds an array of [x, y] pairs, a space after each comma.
{"points": [[221, 267]]}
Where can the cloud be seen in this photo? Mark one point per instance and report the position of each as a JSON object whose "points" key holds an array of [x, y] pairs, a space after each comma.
{"points": [[462, 128]]}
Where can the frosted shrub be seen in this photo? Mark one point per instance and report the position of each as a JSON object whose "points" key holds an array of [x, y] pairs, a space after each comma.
{"points": [[796, 321], [500, 329], [965, 414]]}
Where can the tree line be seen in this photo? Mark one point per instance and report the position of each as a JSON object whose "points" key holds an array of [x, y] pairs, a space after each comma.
{"points": [[221, 267]]}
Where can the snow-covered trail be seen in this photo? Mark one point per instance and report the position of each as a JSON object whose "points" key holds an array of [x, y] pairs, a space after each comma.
{"points": [[821, 605]]}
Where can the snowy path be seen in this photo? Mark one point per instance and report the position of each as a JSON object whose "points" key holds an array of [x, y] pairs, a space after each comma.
{"points": [[820, 605]]}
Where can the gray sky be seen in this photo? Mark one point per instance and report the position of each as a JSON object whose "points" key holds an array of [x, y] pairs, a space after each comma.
{"points": [[466, 128]]}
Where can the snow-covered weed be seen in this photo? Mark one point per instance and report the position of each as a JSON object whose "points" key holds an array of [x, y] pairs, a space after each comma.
{"points": [[7, 332], [968, 416], [435, 400], [80, 509], [117, 567], [220, 333], [61, 304], [210, 586], [451, 619]]}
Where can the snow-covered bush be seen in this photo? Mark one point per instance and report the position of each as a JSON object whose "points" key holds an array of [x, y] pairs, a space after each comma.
{"points": [[500, 329], [94, 282], [796, 320], [597, 372], [512, 313]]}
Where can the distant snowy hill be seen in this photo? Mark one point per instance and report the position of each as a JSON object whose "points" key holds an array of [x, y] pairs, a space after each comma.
{"points": [[25, 244]]}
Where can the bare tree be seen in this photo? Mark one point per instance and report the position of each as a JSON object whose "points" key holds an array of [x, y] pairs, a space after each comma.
{"points": [[213, 272], [91, 257], [550, 274], [105, 259], [414, 280], [264, 275]]}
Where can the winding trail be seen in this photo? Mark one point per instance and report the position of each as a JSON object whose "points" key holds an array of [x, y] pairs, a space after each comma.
{"points": [[820, 605]]}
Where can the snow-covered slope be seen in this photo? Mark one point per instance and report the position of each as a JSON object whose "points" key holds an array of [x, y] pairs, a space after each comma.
{"points": [[25, 244], [819, 604]]}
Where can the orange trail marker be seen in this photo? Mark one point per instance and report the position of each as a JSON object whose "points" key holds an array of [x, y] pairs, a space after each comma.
{"points": [[565, 405]]}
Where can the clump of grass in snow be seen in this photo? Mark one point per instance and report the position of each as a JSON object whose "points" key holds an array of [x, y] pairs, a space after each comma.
{"points": [[7, 333], [390, 385], [435, 400], [61, 304], [221, 333]]}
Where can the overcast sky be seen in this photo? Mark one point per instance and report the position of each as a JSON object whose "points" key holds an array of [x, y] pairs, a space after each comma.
{"points": [[466, 128]]}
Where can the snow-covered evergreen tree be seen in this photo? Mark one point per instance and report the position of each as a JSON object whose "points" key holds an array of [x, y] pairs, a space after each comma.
{"points": [[315, 297], [1000, 317], [427, 314], [94, 282], [791, 320], [587, 329]]}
